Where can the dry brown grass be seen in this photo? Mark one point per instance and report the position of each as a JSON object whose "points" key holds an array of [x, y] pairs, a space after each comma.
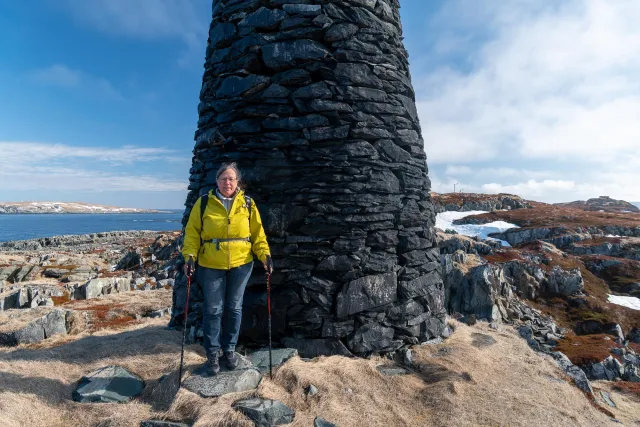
{"points": [[626, 397], [454, 383]]}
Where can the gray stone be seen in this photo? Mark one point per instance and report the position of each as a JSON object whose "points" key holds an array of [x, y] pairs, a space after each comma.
{"points": [[224, 382], [482, 340], [319, 422], [241, 86], [391, 371], [371, 337], [279, 356], [634, 335], [340, 31], [577, 375], [222, 35], [284, 54], [161, 423], [606, 397], [54, 323], [265, 412], [565, 282], [303, 9], [630, 373], [30, 334], [111, 384], [93, 288], [366, 293], [310, 348], [263, 19], [311, 390]]}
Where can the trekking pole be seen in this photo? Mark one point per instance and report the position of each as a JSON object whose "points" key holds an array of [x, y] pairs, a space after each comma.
{"points": [[269, 323], [184, 329]]}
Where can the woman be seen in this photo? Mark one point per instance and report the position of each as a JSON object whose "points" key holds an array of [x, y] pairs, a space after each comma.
{"points": [[222, 244]]}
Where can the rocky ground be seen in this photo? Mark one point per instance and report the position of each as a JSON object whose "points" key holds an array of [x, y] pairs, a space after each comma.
{"points": [[77, 309], [565, 262]]}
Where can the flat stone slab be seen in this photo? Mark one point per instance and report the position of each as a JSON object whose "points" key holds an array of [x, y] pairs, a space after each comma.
{"points": [[243, 378], [111, 384], [607, 398], [391, 371], [160, 423], [243, 363], [482, 340], [319, 422], [265, 412], [279, 356]]}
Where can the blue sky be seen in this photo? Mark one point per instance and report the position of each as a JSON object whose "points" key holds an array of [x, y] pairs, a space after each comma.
{"points": [[98, 98]]}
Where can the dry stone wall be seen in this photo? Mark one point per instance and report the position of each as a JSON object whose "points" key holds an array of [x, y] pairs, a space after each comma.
{"points": [[313, 99]]}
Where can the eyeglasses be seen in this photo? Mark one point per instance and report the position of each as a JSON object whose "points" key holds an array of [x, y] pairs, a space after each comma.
{"points": [[228, 179]]}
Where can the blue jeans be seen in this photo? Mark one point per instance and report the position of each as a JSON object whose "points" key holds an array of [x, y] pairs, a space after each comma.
{"points": [[223, 291]]}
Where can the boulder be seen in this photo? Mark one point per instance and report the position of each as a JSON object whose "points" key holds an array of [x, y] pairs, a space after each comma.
{"points": [[265, 412], [634, 335], [630, 373], [30, 334], [111, 384], [577, 374], [93, 288], [55, 323], [482, 340], [564, 282], [319, 422], [243, 378], [609, 369], [260, 358], [161, 423]]}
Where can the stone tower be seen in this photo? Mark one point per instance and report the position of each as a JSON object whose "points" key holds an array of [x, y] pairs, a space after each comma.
{"points": [[313, 99]]}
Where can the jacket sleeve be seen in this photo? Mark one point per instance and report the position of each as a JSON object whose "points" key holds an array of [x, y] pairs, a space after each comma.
{"points": [[192, 232], [259, 246]]}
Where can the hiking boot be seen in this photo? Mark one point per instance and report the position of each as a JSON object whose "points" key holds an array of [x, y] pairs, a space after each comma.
{"points": [[212, 365], [232, 359]]}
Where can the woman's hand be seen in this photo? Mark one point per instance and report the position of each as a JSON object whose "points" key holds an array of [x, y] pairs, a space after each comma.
{"points": [[189, 267], [268, 264]]}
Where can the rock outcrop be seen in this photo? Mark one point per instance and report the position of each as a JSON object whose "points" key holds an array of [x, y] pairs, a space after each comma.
{"points": [[602, 203], [464, 202], [314, 101]]}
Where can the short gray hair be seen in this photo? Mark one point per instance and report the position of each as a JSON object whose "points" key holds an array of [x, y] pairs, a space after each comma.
{"points": [[233, 166]]}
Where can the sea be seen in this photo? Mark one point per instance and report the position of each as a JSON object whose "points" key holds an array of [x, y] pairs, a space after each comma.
{"points": [[33, 226]]}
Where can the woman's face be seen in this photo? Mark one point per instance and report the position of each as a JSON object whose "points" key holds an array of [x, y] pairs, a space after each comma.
{"points": [[227, 183]]}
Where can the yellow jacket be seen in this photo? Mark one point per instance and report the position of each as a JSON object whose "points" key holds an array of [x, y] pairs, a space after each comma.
{"points": [[218, 224]]}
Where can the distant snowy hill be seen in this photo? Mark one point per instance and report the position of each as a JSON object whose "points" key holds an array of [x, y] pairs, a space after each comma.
{"points": [[64, 207]]}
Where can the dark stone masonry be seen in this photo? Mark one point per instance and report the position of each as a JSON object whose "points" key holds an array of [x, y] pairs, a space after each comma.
{"points": [[313, 99]]}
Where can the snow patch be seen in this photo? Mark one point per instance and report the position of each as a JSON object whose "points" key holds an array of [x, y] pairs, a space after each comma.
{"points": [[444, 221], [630, 302]]}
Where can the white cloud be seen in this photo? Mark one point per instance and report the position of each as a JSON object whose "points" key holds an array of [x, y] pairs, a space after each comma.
{"points": [[24, 153], [458, 170], [557, 81], [60, 75], [186, 20], [29, 166]]}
